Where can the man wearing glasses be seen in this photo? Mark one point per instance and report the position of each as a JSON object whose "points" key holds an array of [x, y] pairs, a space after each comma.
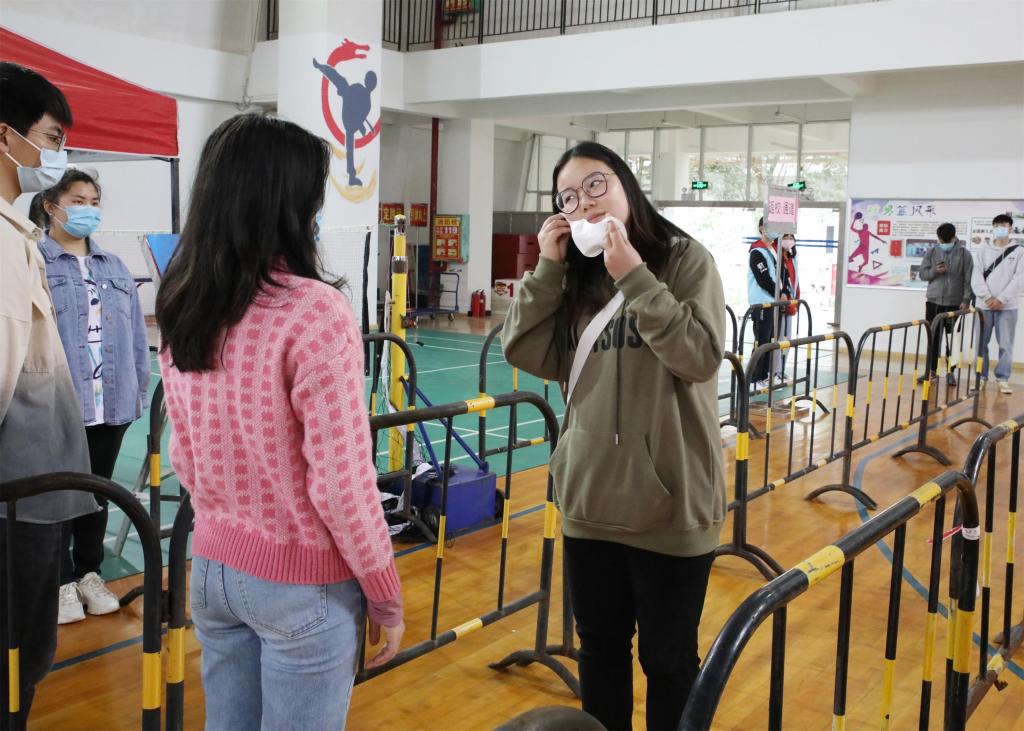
{"points": [[41, 427]]}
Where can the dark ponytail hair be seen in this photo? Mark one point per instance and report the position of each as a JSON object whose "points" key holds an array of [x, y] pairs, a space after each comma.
{"points": [[588, 284], [258, 187]]}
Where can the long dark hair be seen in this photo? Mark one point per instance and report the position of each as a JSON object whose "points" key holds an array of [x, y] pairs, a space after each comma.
{"points": [[588, 284], [258, 187]]}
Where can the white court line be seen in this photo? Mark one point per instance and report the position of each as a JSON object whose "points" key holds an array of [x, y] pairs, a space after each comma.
{"points": [[452, 368], [489, 431], [494, 343], [456, 350]]}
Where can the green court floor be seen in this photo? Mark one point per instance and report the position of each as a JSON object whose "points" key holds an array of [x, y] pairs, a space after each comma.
{"points": [[447, 370]]}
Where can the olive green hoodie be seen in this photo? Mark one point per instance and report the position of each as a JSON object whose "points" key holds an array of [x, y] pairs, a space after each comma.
{"points": [[639, 459]]}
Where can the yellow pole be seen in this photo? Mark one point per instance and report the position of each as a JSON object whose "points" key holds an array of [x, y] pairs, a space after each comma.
{"points": [[399, 307]]}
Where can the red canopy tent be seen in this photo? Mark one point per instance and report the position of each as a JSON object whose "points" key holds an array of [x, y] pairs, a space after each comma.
{"points": [[113, 119]]}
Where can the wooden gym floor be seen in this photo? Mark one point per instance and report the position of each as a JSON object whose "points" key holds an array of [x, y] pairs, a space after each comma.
{"points": [[96, 683]]}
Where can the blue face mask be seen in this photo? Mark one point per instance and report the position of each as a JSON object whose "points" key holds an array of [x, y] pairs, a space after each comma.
{"points": [[947, 247], [1000, 232], [52, 166], [316, 226], [82, 221]]}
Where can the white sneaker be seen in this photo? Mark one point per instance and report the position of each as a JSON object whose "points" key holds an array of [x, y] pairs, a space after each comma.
{"points": [[70, 607], [1004, 387], [97, 597], [761, 385]]}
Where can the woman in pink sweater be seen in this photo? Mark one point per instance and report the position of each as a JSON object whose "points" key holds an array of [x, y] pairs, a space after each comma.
{"points": [[263, 380]]}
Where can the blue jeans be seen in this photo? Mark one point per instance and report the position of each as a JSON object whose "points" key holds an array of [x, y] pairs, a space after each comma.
{"points": [[275, 656], [1004, 323]]}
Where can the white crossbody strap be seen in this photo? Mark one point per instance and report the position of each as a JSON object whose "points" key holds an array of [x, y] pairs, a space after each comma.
{"points": [[588, 338]]}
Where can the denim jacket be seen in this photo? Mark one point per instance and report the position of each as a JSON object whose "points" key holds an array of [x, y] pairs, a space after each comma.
{"points": [[126, 363]]}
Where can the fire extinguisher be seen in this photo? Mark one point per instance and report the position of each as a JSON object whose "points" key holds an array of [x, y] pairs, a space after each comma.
{"points": [[477, 304]]}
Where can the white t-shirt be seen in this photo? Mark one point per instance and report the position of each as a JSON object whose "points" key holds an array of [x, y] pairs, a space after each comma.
{"points": [[95, 338]]}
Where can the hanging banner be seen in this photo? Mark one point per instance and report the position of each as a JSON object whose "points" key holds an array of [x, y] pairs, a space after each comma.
{"points": [[418, 215], [388, 211], [889, 237]]}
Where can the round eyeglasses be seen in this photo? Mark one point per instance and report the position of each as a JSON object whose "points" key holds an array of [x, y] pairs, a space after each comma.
{"points": [[594, 185]]}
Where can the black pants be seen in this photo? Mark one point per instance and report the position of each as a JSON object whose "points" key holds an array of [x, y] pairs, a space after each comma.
{"points": [[89, 531], [615, 589], [35, 587], [763, 322], [930, 311]]}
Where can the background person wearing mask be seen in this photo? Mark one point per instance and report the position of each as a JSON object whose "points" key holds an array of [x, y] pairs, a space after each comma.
{"points": [[41, 427], [997, 281], [947, 267], [790, 291], [104, 334], [761, 276]]}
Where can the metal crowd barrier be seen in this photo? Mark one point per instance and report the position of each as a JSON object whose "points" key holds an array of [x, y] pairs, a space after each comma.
{"points": [[901, 363], [743, 496], [27, 487], [738, 544], [541, 652], [1009, 639], [380, 340], [773, 599], [947, 321], [484, 451]]}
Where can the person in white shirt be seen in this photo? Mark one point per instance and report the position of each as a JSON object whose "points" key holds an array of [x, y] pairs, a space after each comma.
{"points": [[998, 282]]}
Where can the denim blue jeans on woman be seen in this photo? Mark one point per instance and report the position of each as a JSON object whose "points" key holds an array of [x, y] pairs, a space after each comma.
{"points": [[275, 656]]}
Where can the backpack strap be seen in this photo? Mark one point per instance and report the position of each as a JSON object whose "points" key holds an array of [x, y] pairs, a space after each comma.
{"points": [[999, 260]]}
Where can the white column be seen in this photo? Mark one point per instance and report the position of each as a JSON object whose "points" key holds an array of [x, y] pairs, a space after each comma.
{"points": [[466, 185], [341, 103]]}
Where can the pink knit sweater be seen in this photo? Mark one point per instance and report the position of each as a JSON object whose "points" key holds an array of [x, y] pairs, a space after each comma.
{"points": [[274, 448]]}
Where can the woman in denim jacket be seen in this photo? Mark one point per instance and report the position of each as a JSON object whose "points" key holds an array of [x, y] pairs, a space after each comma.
{"points": [[104, 336]]}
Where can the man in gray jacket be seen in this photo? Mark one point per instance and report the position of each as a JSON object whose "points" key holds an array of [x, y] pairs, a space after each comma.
{"points": [[947, 267]]}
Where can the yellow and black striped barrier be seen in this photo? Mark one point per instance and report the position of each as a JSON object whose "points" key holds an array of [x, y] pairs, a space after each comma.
{"points": [[152, 592], [177, 597], [739, 545], [800, 385], [907, 344], [541, 652], [483, 450], [811, 462], [773, 598], [985, 453], [943, 329], [407, 380]]}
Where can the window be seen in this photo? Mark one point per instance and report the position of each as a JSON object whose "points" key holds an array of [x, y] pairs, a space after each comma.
{"points": [[725, 163], [826, 160], [773, 157], [614, 141], [640, 156], [676, 164]]}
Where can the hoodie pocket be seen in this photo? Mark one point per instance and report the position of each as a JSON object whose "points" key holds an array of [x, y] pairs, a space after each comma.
{"points": [[608, 485]]}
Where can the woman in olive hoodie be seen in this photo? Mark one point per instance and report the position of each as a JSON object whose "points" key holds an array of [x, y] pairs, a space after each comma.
{"points": [[638, 469]]}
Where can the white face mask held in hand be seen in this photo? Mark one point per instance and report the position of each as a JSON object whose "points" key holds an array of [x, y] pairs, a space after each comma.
{"points": [[589, 237]]}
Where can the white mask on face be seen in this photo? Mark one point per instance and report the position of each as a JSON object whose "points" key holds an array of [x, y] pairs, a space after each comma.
{"points": [[589, 237], [788, 244]]}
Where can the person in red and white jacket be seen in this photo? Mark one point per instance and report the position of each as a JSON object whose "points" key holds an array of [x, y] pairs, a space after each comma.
{"points": [[262, 362]]}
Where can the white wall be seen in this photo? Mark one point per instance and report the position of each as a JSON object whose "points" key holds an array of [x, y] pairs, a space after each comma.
{"points": [[225, 25], [509, 159], [955, 133]]}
